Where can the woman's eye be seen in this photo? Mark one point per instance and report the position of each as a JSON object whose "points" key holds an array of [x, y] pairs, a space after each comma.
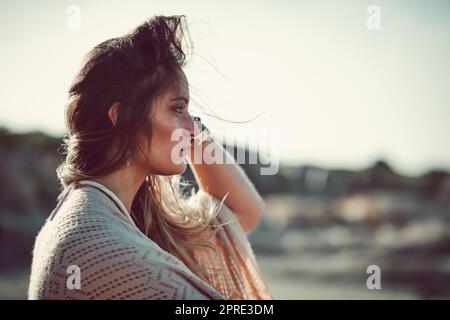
{"points": [[179, 109]]}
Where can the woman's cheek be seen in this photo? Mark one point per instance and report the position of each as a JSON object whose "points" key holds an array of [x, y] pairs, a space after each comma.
{"points": [[177, 123]]}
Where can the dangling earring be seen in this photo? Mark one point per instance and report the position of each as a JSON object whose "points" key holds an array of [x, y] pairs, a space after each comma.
{"points": [[128, 155]]}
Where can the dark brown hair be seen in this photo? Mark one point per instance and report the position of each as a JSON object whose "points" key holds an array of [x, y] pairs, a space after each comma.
{"points": [[134, 69]]}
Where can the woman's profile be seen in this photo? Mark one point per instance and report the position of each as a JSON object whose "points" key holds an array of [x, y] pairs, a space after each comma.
{"points": [[123, 228]]}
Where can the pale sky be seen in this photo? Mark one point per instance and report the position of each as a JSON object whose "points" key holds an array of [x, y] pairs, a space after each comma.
{"points": [[338, 93]]}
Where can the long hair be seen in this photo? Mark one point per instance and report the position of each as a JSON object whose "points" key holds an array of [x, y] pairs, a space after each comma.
{"points": [[134, 69]]}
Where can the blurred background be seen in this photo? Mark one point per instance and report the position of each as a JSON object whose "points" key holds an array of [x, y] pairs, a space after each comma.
{"points": [[357, 92]]}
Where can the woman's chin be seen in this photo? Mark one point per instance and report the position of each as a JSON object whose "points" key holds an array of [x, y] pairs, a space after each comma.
{"points": [[181, 168], [178, 168], [173, 169]]}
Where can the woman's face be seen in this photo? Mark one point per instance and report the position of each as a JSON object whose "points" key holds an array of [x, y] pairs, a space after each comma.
{"points": [[170, 119]]}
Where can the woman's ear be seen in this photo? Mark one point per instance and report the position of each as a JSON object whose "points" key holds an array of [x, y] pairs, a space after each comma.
{"points": [[113, 112]]}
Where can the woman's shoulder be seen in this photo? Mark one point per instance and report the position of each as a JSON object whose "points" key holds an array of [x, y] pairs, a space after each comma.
{"points": [[87, 227], [83, 201]]}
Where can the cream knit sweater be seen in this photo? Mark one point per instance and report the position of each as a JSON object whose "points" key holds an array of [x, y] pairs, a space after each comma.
{"points": [[90, 248]]}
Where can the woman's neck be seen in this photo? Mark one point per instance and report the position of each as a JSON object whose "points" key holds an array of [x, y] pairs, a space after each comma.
{"points": [[124, 183]]}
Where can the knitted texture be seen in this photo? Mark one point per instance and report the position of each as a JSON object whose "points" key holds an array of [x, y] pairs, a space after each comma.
{"points": [[116, 261]]}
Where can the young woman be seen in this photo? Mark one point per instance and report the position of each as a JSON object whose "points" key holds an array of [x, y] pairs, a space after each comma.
{"points": [[123, 228]]}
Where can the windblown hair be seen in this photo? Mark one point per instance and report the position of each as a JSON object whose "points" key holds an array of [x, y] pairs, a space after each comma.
{"points": [[135, 69]]}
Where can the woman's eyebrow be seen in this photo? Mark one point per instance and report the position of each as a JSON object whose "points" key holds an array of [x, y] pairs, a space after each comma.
{"points": [[185, 99]]}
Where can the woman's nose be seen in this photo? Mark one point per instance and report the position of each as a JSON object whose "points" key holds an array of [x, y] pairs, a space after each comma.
{"points": [[190, 126], [195, 127]]}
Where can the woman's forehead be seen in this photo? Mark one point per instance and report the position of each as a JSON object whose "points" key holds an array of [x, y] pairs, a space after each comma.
{"points": [[180, 91]]}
